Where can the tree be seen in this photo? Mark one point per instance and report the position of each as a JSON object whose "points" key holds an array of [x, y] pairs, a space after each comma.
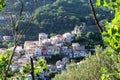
{"points": [[87, 69], [55, 57], [92, 67], [39, 67], [111, 38], [17, 32]]}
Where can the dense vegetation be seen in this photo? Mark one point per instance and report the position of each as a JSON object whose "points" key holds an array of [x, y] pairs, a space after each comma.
{"points": [[39, 68], [6, 44], [4, 58], [105, 65], [87, 69], [63, 15], [29, 5], [59, 17], [91, 68], [90, 40]]}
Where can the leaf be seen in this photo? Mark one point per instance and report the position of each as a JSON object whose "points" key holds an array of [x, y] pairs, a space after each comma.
{"points": [[118, 1], [2, 4], [113, 31], [113, 0], [98, 3], [103, 70], [117, 37], [105, 3]]}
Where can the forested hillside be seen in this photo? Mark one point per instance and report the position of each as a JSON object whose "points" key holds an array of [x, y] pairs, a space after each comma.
{"points": [[59, 16], [63, 15], [13, 6], [29, 5]]}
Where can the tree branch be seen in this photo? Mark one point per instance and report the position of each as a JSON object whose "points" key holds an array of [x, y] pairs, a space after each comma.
{"points": [[15, 33], [17, 39], [32, 68], [20, 14], [12, 25], [94, 16]]}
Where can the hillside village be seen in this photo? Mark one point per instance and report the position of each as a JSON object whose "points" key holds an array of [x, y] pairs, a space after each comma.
{"points": [[45, 47], [59, 40], [56, 44]]}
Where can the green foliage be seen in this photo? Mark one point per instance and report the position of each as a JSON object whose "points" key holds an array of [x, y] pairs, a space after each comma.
{"points": [[108, 64], [54, 58], [2, 4], [98, 3], [52, 74], [112, 38], [4, 58], [88, 69], [6, 44], [57, 17], [26, 68], [93, 67], [29, 5], [39, 67], [111, 4], [90, 40], [63, 15], [111, 65]]}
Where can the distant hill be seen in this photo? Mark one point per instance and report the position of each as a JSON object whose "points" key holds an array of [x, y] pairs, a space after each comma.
{"points": [[29, 5], [57, 16], [63, 15]]}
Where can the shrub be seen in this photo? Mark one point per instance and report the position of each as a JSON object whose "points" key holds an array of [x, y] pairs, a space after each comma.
{"points": [[91, 67]]}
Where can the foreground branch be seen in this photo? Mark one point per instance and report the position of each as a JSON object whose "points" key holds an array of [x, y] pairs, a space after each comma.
{"points": [[32, 68], [15, 33], [94, 16]]}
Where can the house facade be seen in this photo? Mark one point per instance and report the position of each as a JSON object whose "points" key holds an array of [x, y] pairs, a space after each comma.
{"points": [[48, 46]]}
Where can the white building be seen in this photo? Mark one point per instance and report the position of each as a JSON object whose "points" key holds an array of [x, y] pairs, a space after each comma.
{"points": [[76, 46], [78, 50], [7, 38], [38, 51], [83, 53], [67, 37], [43, 51], [42, 36]]}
